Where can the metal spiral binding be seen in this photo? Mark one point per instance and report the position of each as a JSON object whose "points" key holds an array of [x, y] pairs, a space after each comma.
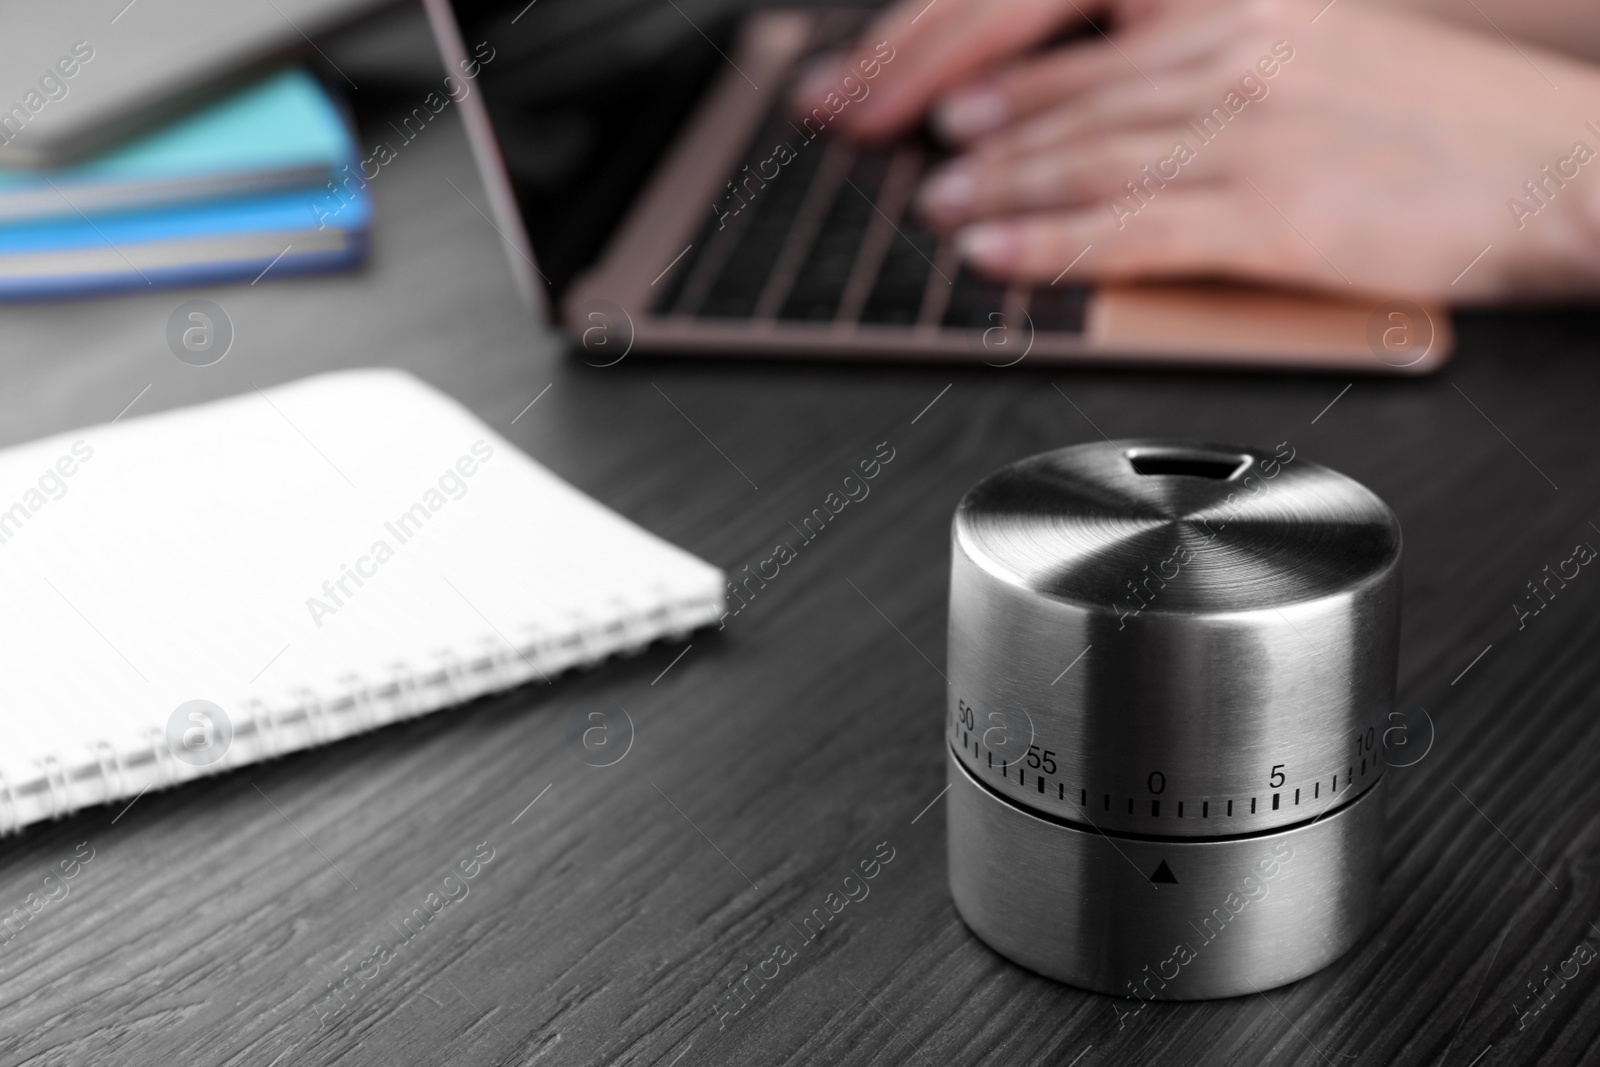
{"points": [[362, 709], [499, 664], [60, 789], [406, 693], [453, 670], [310, 707], [14, 818], [634, 628], [534, 655], [107, 757], [262, 726], [165, 772]]}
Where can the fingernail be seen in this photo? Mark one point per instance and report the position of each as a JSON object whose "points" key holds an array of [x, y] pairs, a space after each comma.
{"points": [[951, 191], [818, 77], [971, 112], [993, 246]]}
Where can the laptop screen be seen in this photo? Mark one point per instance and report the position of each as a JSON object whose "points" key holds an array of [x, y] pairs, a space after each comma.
{"points": [[584, 96]]}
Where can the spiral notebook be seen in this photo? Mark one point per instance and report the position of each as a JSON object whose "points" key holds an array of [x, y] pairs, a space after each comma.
{"points": [[194, 591]]}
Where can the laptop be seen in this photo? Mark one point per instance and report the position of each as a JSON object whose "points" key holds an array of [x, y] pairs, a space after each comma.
{"points": [[757, 234]]}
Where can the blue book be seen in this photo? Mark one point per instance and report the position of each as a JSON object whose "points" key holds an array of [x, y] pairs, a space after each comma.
{"points": [[240, 238], [238, 191], [282, 132]]}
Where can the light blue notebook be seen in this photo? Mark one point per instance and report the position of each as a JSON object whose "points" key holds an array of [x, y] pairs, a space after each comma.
{"points": [[224, 194], [282, 132]]}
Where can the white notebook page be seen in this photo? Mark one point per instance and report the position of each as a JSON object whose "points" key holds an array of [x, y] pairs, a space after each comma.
{"points": [[315, 560]]}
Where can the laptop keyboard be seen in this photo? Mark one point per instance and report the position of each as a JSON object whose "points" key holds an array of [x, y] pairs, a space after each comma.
{"points": [[832, 237]]}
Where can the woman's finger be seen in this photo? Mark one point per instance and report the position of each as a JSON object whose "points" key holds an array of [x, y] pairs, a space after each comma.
{"points": [[933, 47], [1099, 168], [1211, 230], [1127, 105], [1146, 57]]}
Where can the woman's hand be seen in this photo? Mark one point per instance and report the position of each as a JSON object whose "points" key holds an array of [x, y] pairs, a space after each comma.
{"points": [[1337, 147], [943, 43]]}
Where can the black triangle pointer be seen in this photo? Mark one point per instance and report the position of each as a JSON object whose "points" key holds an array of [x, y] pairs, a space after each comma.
{"points": [[1164, 875]]}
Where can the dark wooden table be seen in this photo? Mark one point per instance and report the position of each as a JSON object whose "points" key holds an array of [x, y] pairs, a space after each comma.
{"points": [[211, 924]]}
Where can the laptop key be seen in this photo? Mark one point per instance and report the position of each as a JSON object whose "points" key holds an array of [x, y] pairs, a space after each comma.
{"points": [[771, 205], [680, 279], [691, 281], [975, 303], [817, 289], [897, 296], [883, 230]]}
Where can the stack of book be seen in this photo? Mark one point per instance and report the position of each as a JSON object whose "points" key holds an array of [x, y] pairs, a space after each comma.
{"points": [[239, 190]]}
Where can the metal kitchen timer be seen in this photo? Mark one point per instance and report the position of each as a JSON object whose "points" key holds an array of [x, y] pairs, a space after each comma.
{"points": [[1170, 664]]}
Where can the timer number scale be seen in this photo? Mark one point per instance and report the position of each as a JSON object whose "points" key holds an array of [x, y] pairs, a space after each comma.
{"points": [[998, 750]]}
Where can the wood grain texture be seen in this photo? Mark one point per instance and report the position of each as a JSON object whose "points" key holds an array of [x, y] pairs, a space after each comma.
{"points": [[777, 754]]}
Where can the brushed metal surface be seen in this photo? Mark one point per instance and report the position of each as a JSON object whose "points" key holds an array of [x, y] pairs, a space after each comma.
{"points": [[1170, 664], [1167, 653], [1242, 914]]}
